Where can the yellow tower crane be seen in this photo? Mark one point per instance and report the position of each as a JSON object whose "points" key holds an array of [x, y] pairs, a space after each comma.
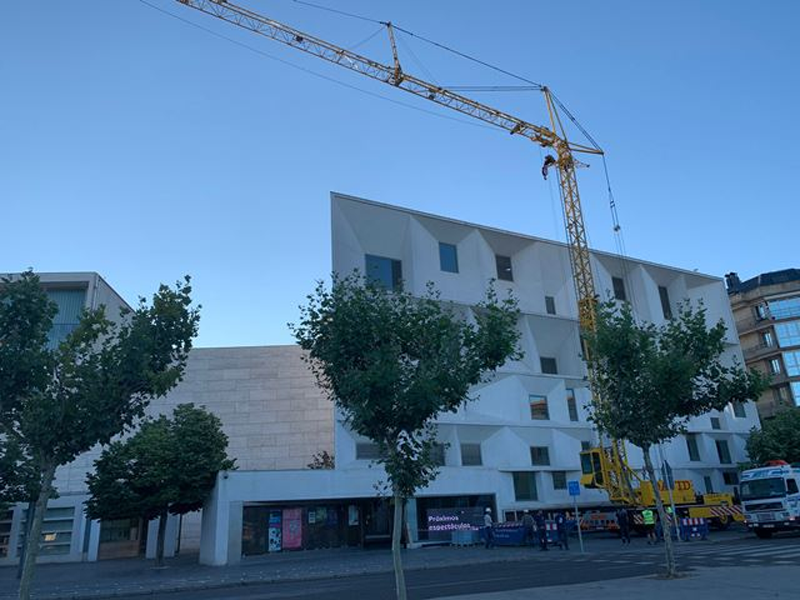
{"points": [[614, 474]]}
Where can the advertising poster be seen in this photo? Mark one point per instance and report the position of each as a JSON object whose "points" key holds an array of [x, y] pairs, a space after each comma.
{"points": [[443, 521], [274, 540], [292, 528]]}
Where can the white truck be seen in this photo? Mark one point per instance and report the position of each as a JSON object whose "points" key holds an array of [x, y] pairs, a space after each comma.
{"points": [[771, 498]]}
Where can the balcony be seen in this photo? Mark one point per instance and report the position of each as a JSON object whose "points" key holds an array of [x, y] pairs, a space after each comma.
{"points": [[760, 351]]}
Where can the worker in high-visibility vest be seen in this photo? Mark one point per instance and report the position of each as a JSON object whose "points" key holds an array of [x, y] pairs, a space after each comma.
{"points": [[649, 519]]}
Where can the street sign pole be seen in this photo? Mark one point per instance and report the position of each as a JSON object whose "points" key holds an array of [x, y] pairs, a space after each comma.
{"points": [[574, 491]]}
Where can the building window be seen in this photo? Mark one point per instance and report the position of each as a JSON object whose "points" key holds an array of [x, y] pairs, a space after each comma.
{"points": [[795, 385], [572, 405], [367, 451], [791, 361], [471, 455], [539, 411], [723, 452], [504, 267], [56, 535], [767, 339], [384, 272], [585, 445], [691, 445], [540, 456], [549, 365], [780, 394], [665, 306], [619, 288], [784, 309], [738, 410], [709, 485], [70, 305], [550, 305], [437, 455], [760, 312], [715, 424], [775, 366], [730, 477], [559, 480], [525, 486], [6, 516], [788, 333], [448, 257]]}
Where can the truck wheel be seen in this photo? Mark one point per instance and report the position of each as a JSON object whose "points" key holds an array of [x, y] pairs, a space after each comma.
{"points": [[763, 534], [721, 523]]}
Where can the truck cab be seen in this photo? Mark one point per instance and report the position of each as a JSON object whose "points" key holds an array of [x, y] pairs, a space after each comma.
{"points": [[771, 498]]}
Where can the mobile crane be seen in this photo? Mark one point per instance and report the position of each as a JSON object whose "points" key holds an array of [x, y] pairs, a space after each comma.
{"points": [[605, 467]]}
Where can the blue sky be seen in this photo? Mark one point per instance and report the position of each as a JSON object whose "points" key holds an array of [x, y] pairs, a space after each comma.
{"points": [[136, 145]]}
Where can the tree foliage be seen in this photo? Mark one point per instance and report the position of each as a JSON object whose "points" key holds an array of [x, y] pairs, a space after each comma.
{"points": [[648, 381], [778, 439], [58, 402], [392, 362], [168, 466]]}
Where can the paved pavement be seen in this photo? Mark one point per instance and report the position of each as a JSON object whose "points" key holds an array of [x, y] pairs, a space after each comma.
{"points": [[432, 572], [730, 583]]}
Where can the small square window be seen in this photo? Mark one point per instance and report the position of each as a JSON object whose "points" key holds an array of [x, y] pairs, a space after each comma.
{"points": [[619, 288], [738, 410], [550, 305], [539, 411], [525, 486], [437, 455], [448, 257], [715, 423], [549, 365], [385, 272], [471, 455], [367, 451], [540, 456], [559, 480], [504, 267], [572, 405]]}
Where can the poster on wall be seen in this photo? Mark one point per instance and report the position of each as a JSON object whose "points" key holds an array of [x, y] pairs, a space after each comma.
{"points": [[274, 540], [352, 515], [443, 521], [292, 528]]}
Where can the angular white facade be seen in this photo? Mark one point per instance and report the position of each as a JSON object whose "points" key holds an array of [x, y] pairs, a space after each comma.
{"points": [[523, 428]]}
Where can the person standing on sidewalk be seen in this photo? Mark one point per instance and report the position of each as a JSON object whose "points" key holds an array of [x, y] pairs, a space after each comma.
{"points": [[541, 529], [561, 528], [649, 520], [624, 526], [487, 527], [527, 523]]}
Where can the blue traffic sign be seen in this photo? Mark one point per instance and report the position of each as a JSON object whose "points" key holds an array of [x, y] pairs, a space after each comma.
{"points": [[574, 488]]}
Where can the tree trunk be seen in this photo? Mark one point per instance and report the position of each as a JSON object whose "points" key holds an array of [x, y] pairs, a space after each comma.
{"points": [[30, 511], [162, 533], [35, 531], [672, 569], [397, 559]]}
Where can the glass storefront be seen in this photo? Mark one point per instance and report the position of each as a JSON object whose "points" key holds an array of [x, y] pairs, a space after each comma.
{"points": [[437, 517]]}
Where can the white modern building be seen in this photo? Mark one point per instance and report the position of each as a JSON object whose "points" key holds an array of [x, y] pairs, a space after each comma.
{"points": [[514, 447]]}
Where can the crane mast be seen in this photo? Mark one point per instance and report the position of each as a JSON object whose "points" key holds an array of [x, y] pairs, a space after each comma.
{"points": [[553, 137]]}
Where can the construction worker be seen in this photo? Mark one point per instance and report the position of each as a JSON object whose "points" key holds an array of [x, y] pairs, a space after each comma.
{"points": [[624, 526], [563, 533], [649, 520], [541, 529], [487, 527], [527, 523]]}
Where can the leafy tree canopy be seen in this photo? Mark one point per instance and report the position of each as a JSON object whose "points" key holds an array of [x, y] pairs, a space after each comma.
{"points": [[778, 439]]}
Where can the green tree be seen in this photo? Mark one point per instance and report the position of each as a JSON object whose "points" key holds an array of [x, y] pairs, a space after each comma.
{"points": [[648, 381], [57, 403], [167, 466], [778, 439], [392, 362]]}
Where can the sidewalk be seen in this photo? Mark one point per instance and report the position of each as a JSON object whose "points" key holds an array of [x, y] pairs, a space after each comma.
{"points": [[730, 583], [87, 581]]}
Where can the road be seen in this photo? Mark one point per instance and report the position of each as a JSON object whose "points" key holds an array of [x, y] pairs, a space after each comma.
{"points": [[542, 569]]}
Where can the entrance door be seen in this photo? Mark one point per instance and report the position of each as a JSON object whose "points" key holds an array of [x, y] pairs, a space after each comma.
{"points": [[122, 538]]}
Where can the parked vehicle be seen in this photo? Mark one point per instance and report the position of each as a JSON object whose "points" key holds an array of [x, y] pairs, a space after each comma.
{"points": [[771, 498]]}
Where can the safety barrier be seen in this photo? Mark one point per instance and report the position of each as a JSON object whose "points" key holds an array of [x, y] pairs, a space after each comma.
{"points": [[694, 527]]}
